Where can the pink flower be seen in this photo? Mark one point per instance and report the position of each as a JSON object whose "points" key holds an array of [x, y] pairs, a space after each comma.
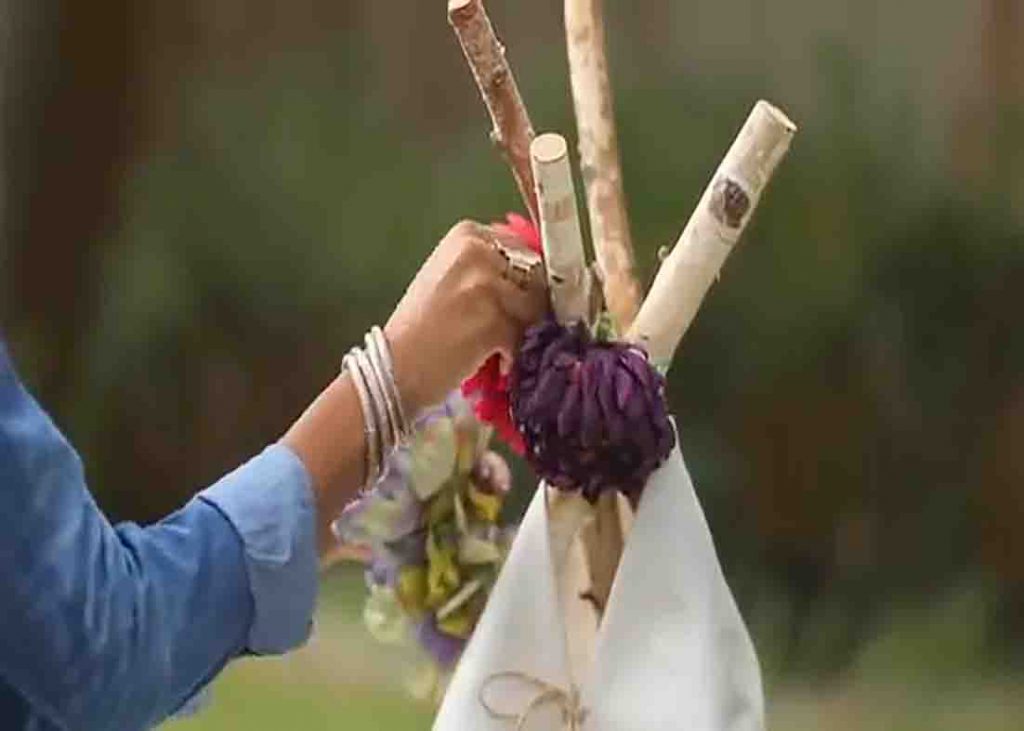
{"points": [[523, 229]]}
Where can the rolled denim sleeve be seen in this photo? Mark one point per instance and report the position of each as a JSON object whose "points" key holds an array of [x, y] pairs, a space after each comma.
{"points": [[116, 627], [269, 503]]}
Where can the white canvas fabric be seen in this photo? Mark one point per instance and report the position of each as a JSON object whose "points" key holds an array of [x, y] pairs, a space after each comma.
{"points": [[671, 654]]}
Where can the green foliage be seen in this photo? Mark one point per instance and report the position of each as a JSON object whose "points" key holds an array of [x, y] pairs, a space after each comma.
{"points": [[839, 394]]}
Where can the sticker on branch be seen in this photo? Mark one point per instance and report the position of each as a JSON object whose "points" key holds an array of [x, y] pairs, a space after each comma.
{"points": [[722, 214]]}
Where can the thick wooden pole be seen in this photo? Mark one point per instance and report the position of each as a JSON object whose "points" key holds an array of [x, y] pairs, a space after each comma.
{"points": [[714, 228]]}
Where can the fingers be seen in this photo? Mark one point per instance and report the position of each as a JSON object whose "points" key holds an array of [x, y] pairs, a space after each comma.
{"points": [[506, 238], [524, 305], [517, 290]]}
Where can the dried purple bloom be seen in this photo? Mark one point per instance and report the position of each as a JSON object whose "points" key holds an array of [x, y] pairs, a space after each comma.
{"points": [[443, 648], [592, 413]]}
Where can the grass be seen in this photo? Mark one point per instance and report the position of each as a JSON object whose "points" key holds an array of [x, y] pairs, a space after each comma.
{"points": [[343, 681]]}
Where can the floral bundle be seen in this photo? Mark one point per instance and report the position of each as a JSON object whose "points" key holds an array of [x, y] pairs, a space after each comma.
{"points": [[435, 540]]}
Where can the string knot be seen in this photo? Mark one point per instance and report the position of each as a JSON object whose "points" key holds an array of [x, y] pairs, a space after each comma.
{"points": [[544, 694]]}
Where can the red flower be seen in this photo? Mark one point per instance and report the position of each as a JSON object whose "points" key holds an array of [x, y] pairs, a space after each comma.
{"points": [[488, 390], [488, 387]]}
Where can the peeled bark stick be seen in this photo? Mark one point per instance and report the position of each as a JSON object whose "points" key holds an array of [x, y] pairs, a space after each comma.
{"points": [[567, 513], [604, 537], [568, 283], [512, 131], [717, 223], [599, 159], [560, 228]]}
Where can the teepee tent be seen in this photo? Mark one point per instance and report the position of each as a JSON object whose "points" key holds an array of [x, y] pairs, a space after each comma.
{"points": [[603, 617]]}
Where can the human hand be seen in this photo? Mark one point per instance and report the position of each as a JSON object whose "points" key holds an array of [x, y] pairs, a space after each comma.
{"points": [[463, 306]]}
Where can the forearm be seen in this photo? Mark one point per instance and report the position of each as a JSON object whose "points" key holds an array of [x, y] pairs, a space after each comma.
{"points": [[329, 438], [93, 614]]}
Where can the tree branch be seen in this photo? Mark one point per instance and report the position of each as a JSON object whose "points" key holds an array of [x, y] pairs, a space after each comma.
{"points": [[599, 159], [604, 537], [512, 131]]}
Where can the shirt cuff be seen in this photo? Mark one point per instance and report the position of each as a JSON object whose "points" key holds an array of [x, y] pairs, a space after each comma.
{"points": [[269, 501]]}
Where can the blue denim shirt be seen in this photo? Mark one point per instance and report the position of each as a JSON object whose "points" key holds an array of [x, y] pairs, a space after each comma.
{"points": [[118, 627]]}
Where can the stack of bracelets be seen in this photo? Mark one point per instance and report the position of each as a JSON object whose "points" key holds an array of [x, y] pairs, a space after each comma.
{"points": [[373, 374]]}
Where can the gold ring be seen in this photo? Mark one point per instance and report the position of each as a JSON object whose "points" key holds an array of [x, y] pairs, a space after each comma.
{"points": [[521, 265]]}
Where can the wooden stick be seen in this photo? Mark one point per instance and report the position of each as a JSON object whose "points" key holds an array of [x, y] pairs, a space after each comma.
{"points": [[512, 131], [567, 513], [604, 537], [720, 218], [568, 283], [564, 259], [599, 159]]}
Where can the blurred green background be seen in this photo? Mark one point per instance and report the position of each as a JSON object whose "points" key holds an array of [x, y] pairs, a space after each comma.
{"points": [[205, 202]]}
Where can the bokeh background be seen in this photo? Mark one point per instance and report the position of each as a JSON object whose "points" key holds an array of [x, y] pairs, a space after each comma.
{"points": [[205, 202]]}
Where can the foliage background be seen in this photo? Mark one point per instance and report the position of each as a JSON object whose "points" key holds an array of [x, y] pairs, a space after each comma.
{"points": [[206, 201]]}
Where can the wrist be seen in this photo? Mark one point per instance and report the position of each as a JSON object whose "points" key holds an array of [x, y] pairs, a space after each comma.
{"points": [[408, 378]]}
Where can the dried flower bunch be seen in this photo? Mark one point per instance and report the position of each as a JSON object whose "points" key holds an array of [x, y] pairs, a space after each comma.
{"points": [[592, 412], [432, 530]]}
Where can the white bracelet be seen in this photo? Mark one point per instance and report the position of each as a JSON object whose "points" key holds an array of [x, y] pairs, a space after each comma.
{"points": [[379, 403], [380, 356], [386, 381], [350, 365], [384, 348], [386, 427], [372, 370]]}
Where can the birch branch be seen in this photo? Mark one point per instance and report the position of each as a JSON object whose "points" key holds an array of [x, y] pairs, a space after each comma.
{"points": [[714, 228], [599, 158], [512, 131], [560, 228], [604, 537]]}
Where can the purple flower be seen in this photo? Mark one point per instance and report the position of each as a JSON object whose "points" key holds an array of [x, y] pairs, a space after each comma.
{"points": [[388, 559], [386, 512], [382, 570], [453, 405], [592, 413], [443, 648]]}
